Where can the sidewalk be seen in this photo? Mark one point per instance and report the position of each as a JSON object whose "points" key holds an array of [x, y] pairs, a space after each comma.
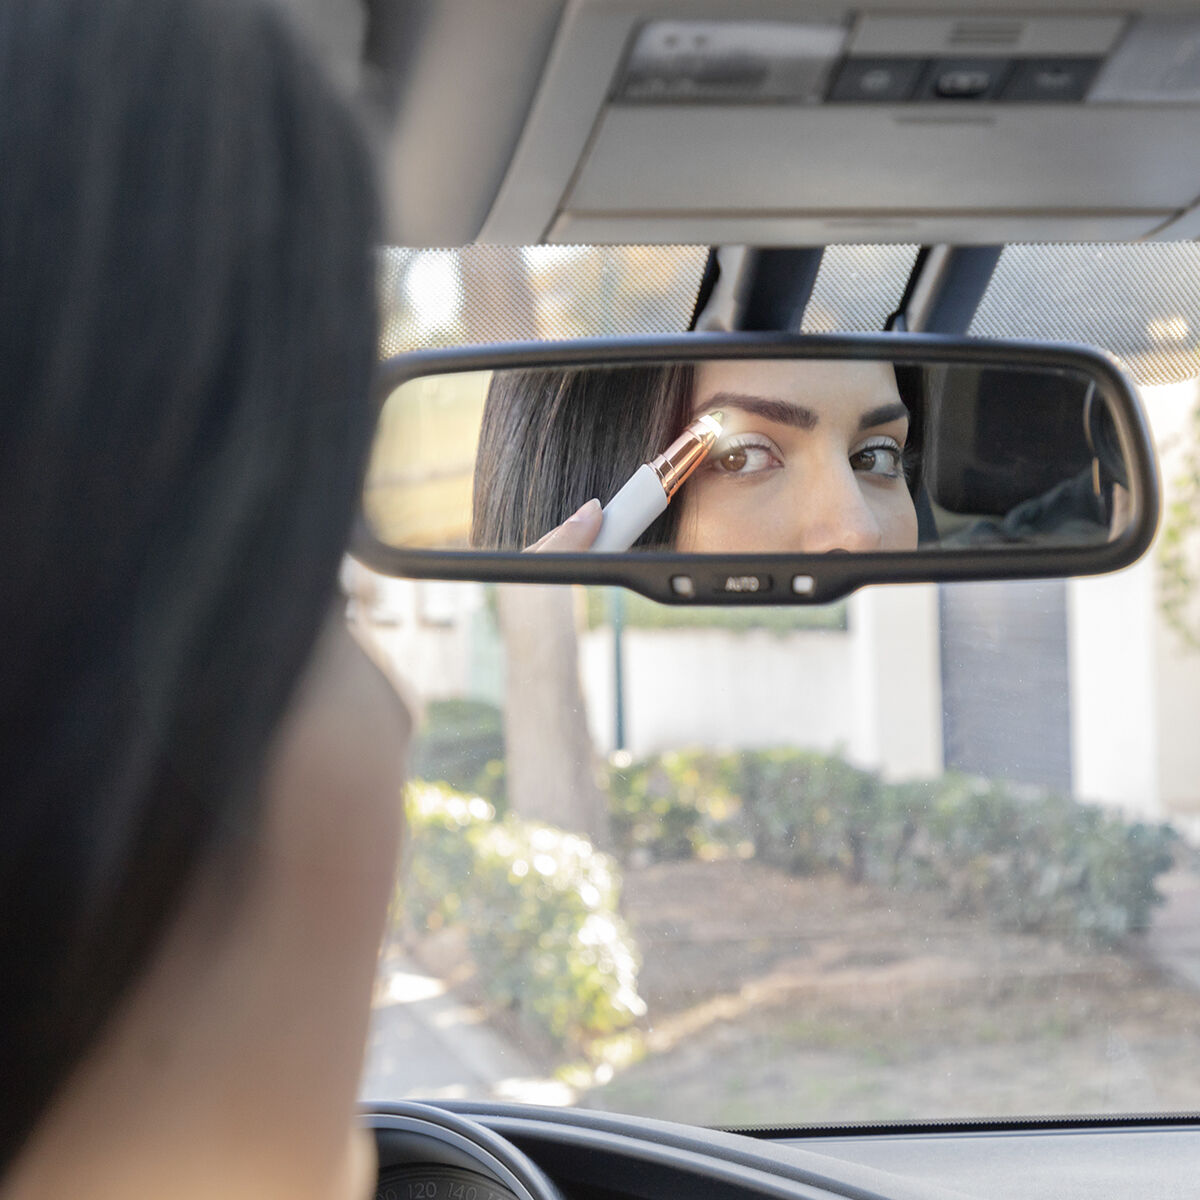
{"points": [[425, 1044]]}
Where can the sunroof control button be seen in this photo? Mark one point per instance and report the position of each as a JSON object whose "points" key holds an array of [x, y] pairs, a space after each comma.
{"points": [[1050, 80], [876, 80], [965, 78]]}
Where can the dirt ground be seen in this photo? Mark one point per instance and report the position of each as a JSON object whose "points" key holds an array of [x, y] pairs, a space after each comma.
{"points": [[779, 1000]]}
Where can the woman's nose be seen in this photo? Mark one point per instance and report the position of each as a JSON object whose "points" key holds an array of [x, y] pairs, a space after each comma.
{"points": [[833, 514]]}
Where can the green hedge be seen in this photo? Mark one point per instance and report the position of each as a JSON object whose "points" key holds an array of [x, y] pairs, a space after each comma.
{"points": [[1031, 861], [1028, 859], [668, 807], [540, 908]]}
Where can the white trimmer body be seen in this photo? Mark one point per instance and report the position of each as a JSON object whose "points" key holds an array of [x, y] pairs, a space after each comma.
{"points": [[631, 511]]}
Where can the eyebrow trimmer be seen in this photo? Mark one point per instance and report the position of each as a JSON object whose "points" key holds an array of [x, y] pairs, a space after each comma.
{"points": [[650, 488]]}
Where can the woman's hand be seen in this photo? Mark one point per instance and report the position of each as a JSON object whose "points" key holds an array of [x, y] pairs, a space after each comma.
{"points": [[577, 532]]}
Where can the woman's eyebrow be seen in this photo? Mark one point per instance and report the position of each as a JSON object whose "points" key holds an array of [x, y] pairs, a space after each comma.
{"points": [[782, 412], [885, 414], [788, 412]]}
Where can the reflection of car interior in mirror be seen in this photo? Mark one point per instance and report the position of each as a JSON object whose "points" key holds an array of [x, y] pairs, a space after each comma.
{"points": [[807, 455], [1019, 459]]}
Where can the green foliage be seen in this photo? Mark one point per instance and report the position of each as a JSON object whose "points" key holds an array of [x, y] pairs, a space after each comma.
{"points": [[807, 812], [439, 854], [1030, 860], [491, 782], [667, 807], [1027, 859], [462, 744], [540, 908]]}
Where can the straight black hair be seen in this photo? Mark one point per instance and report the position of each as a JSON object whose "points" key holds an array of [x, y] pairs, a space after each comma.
{"points": [[187, 331], [551, 440]]}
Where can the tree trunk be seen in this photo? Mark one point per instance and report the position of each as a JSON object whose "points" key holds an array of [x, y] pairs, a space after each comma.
{"points": [[551, 763], [552, 769]]}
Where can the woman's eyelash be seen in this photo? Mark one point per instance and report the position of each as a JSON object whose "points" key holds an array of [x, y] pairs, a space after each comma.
{"points": [[910, 456], [742, 441], [880, 443]]}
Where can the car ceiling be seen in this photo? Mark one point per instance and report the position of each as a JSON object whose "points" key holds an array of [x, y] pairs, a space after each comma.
{"points": [[776, 122]]}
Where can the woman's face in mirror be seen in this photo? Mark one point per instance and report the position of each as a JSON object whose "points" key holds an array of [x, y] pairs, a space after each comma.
{"points": [[810, 459]]}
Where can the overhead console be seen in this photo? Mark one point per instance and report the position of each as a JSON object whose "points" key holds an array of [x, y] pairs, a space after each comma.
{"points": [[770, 123]]}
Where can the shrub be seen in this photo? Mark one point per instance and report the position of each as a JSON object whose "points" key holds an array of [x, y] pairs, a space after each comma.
{"points": [[667, 807], [1028, 859], [439, 855], [805, 812], [540, 908]]}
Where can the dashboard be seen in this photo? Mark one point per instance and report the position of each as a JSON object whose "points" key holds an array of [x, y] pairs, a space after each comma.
{"points": [[461, 1151], [429, 1181]]}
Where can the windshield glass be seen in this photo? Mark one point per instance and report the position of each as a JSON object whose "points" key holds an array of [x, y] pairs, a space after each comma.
{"points": [[925, 854]]}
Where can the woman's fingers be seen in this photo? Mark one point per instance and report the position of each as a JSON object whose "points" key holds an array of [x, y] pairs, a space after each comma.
{"points": [[577, 532]]}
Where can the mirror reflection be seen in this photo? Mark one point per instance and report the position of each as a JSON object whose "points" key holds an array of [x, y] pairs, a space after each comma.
{"points": [[747, 455]]}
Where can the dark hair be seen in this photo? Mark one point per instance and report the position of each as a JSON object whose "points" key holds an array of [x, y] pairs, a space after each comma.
{"points": [[186, 337], [553, 439], [910, 383]]}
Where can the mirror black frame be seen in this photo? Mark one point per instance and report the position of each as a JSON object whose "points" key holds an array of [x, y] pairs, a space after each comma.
{"points": [[781, 578]]}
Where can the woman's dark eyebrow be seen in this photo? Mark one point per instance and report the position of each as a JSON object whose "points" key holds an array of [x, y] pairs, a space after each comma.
{"points": [[782, 412], [788, 412], [885, 414]]}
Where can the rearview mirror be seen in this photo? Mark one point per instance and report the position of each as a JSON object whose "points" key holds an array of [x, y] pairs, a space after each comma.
{"points": [[769, 468]]}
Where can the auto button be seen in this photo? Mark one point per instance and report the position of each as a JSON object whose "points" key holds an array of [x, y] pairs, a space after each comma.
{"points": [[732, 583]]}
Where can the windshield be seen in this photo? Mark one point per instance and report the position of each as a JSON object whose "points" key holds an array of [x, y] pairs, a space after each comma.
{"points": [[927, 854]]}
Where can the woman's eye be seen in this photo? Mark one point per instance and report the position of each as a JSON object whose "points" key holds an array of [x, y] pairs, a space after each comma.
{"points": [[886, 459], [746, 459]]}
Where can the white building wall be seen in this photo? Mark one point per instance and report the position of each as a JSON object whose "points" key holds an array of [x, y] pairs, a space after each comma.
{"points": [[721, 689], [897, 714], [872, 692], [1178, 664], [1135, 686], [1178, 726], [1114, 693], [423, 631]]}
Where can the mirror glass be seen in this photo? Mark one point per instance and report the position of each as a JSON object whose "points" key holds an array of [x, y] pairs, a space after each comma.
{"points": [[771, 455]]}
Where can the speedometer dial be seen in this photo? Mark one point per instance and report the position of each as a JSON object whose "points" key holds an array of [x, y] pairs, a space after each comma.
{"points": [[433, 1182]]}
